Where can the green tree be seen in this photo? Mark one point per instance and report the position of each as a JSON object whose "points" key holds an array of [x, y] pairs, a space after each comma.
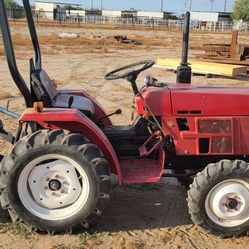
{"points": [[11, 4], [241, 10], [169, 15], [15, 8]]}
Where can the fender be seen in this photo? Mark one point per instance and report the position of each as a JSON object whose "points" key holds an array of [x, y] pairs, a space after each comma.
{"points": [[99, 111], [74, 121]]}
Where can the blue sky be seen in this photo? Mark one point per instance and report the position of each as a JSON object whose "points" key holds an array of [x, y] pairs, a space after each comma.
{"points": [[154, 5]]}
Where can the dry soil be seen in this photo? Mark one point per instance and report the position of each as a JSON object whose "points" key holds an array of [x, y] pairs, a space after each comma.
{"points": [[138, 216]]}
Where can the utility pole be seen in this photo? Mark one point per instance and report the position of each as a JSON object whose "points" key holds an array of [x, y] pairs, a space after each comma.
{"points": [[162, 6], [212, 5], [190, 5], [92, 5], [225, 6], [101, 5]]}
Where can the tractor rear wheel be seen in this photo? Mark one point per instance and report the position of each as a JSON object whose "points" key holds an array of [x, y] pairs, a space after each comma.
{"points": [[54, 181], [218, 199], [4, 215]]}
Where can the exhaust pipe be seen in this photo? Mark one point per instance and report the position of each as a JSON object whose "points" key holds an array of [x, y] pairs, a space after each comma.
{"points": [[184, 71]]}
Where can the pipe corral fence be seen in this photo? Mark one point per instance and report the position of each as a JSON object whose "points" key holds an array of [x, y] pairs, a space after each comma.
{"points": [[65, 17]]}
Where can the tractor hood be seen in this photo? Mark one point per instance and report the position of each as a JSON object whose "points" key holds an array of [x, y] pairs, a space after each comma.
{"points": [[199, 100], [209, 100]]}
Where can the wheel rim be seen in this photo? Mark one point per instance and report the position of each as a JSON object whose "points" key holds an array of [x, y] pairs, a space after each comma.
{"points": [[227, 204], [53, 187]]}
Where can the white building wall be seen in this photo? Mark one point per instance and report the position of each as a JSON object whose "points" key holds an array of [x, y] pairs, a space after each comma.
{"points": [[110, 13], [150, 14], [205, 16], [46, 9], [76, 12]]}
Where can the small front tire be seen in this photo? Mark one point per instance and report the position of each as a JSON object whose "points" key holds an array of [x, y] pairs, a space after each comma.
{"points": [[218, 199]]}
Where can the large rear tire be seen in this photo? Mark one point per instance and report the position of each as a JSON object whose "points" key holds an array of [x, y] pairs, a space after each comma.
{"points": [[54, 181], [4, 215], [218, 199]]}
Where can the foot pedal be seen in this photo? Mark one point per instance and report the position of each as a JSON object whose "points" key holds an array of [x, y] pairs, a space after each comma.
{"points": [[144, 151]]}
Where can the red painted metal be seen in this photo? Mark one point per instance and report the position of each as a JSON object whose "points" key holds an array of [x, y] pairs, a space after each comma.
{"points": [[99, 111], [187, 141], [158, 99], [224, 109], [210, 100], [218, 115], [143, 170], [143, 150], [178, 99], [74, 121]]}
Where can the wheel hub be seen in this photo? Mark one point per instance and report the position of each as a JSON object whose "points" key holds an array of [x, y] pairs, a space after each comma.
{"points": [[232, 203], [54, 185], [227, 204]]}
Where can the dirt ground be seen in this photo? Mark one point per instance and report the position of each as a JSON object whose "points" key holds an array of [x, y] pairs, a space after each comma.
{"points": [[138, 216]]}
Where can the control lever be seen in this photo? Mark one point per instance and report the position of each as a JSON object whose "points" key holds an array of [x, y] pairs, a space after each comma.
{"points": [[117, 112], [70, 101], [150, 81]]}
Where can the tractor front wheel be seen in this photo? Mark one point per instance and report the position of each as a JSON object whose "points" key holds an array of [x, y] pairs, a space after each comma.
{"points": [[218, 199], [54, 181]]}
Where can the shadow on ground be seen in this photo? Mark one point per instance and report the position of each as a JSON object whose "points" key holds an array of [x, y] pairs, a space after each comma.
{"points": [[145, 206]]}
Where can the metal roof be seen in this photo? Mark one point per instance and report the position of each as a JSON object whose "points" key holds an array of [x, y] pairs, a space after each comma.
{"points": [[74, 4]]}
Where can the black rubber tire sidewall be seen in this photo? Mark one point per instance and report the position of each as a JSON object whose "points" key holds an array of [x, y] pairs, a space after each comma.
{"points": [[49, 225], [201, 217], [216, 227]]}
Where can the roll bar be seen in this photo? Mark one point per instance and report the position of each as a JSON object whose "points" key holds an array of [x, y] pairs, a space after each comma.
{"points": [[9, 50], [33, 34], [10, 55]]}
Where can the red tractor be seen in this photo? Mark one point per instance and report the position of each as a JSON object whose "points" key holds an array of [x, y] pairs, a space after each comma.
{"points": [[57, 175]]}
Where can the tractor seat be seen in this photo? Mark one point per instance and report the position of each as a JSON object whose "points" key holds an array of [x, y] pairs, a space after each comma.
{"points": [[46, 92]]}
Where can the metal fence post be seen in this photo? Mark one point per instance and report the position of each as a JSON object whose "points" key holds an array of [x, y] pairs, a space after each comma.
{"points": [[14, 15], [78, 16], [133, 24], [60, 17]]}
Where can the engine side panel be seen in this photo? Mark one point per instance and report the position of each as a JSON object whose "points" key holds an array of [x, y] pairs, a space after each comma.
{"points": [[227, 135]]}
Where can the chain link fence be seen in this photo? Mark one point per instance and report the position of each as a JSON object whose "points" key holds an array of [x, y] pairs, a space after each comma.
{"points": [[65, 17]]}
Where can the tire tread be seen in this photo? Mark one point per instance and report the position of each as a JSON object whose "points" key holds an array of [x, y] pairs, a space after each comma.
{"points": [[74, 141]]}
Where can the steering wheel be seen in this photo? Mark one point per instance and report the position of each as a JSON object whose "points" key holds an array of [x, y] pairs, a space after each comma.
{"points": [[114, 76], [131, 75]]}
